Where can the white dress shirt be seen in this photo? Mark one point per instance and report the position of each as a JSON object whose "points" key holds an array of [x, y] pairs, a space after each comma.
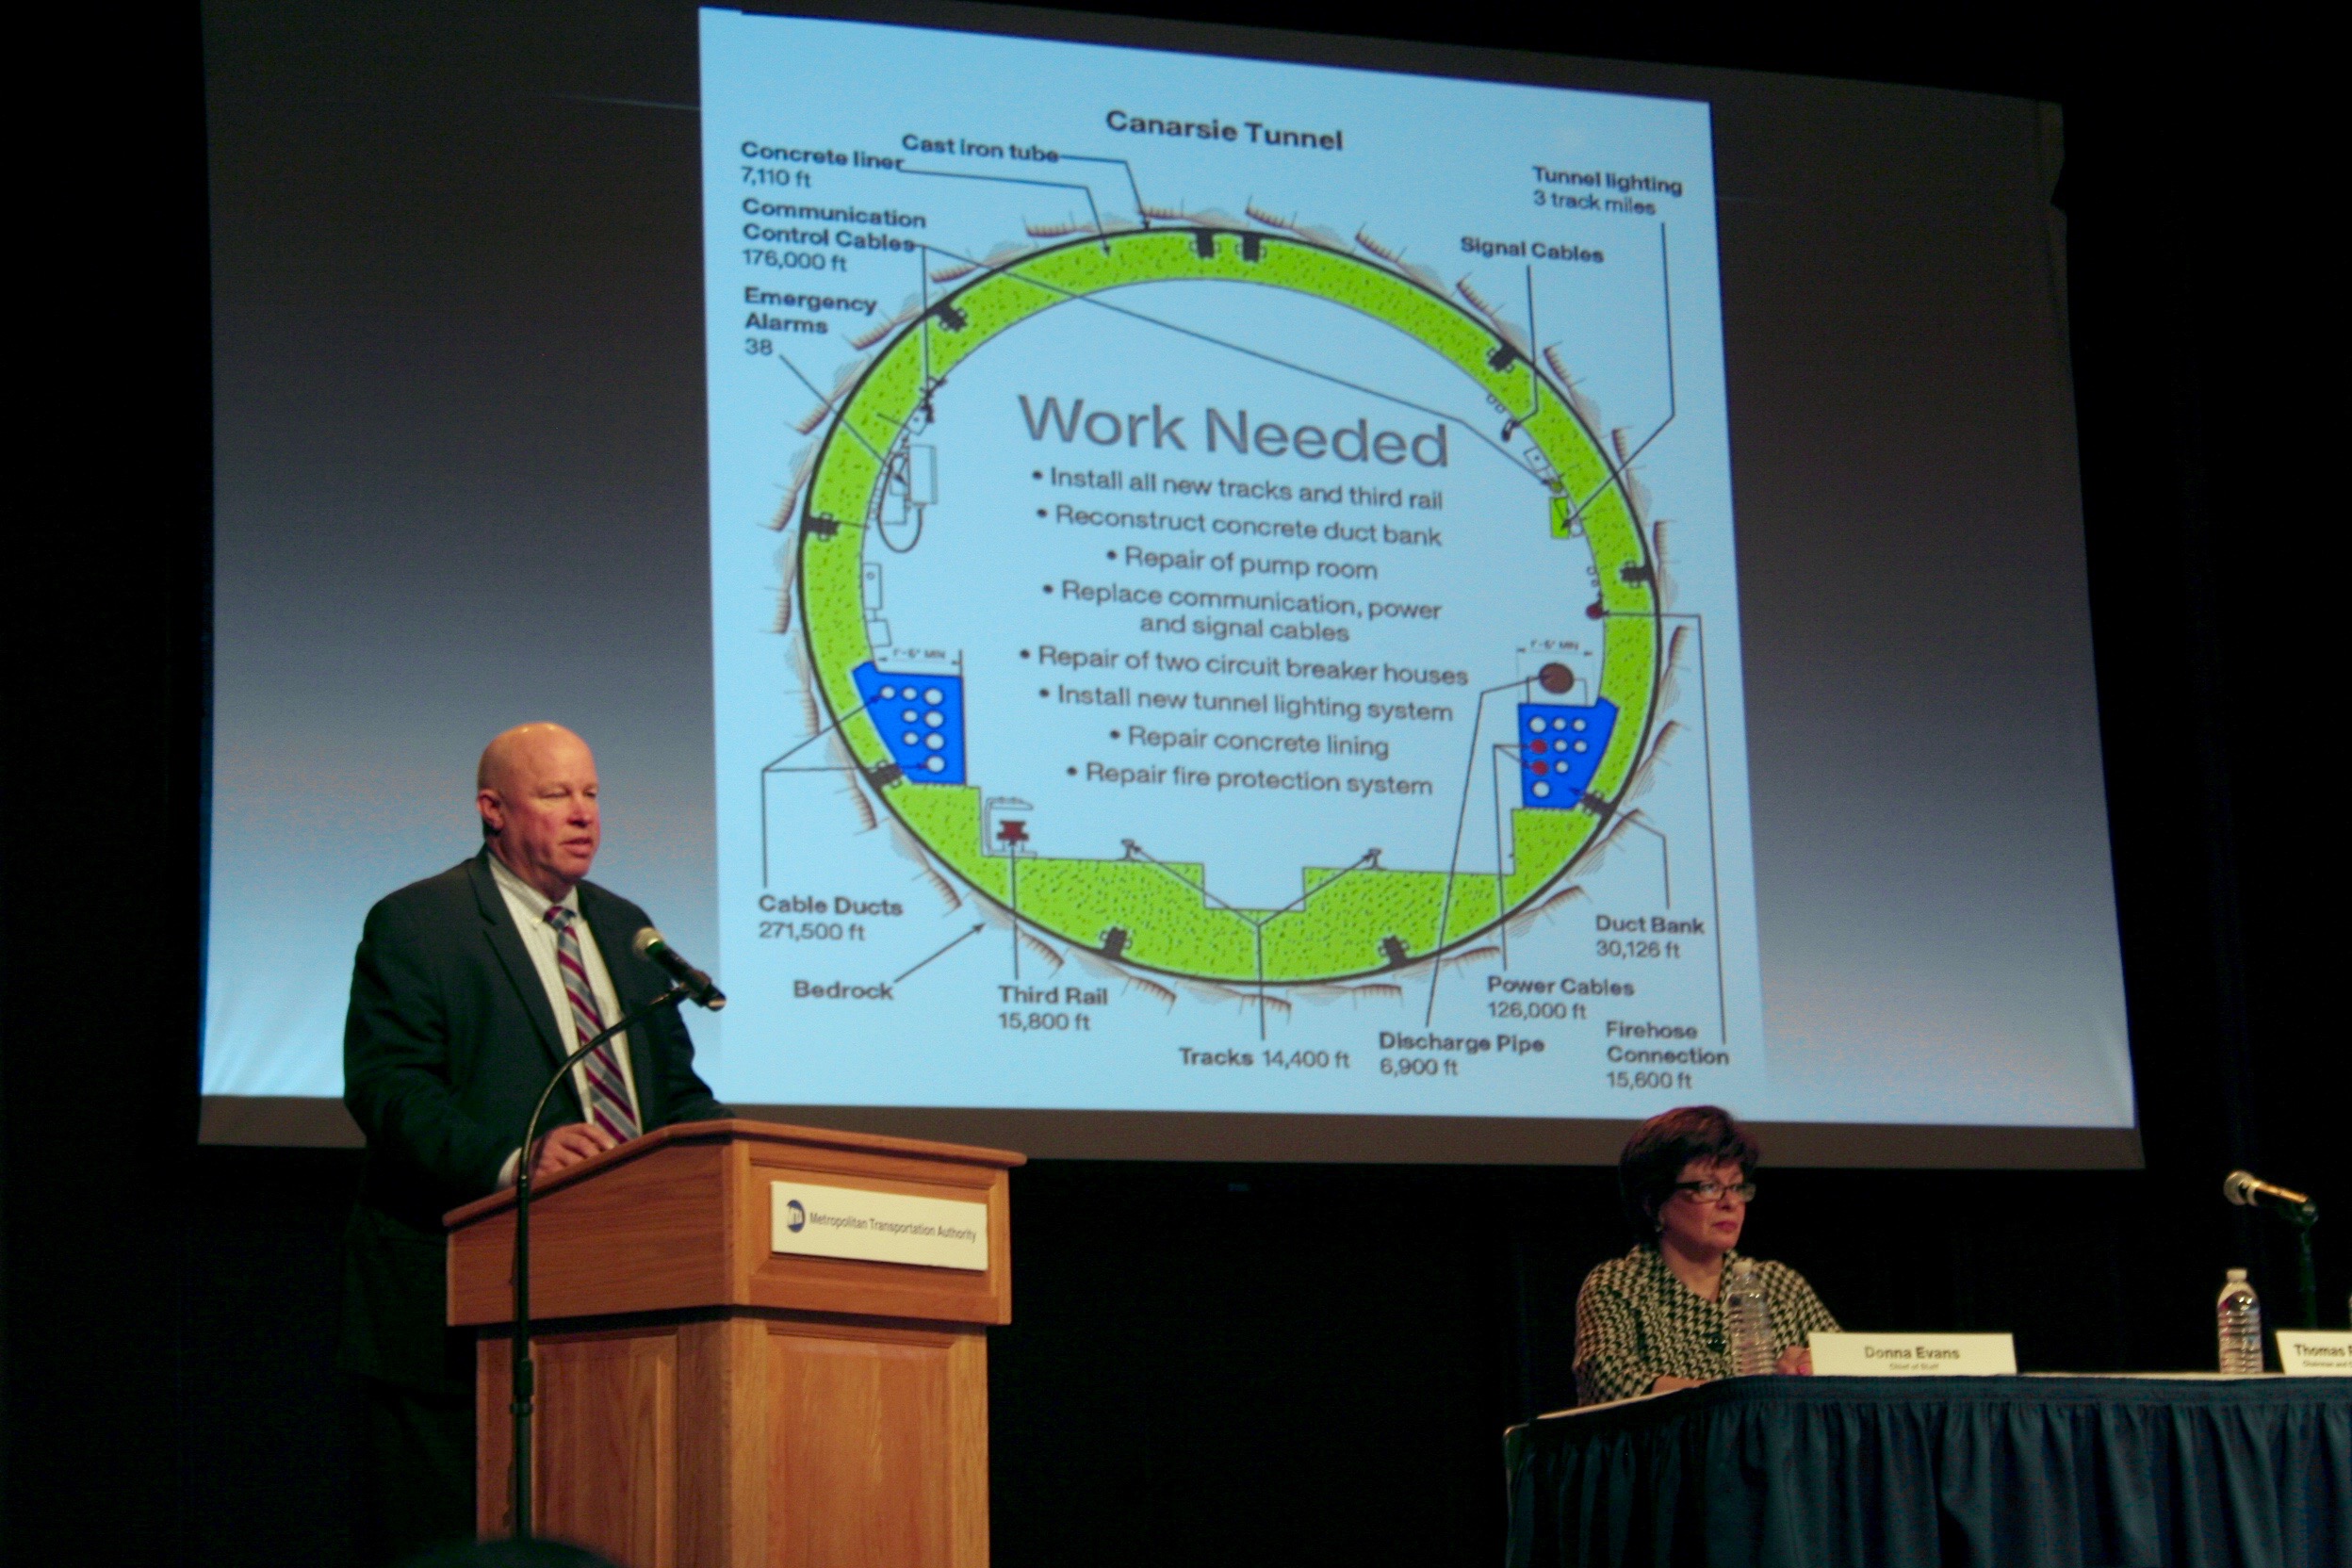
{"points": [[529, 907]]}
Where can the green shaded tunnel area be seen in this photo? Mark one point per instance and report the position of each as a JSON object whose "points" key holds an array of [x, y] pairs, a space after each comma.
{"points": [[1349, 922]]}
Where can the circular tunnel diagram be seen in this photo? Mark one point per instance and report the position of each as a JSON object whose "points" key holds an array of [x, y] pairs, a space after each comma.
{"points": [[908, 730]]}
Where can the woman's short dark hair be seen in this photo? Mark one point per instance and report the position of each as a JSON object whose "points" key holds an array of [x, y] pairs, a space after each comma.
{"points": [[1660, 1147]]}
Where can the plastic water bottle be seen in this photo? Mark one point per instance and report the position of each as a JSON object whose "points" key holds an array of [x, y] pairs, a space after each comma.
{"points": [[1750, 1318], [2238, 1319]]}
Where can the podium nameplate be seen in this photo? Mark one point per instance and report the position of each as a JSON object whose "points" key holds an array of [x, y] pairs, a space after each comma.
{"points": [[878, 1227], [2315, 1352], [1913, 1355]]}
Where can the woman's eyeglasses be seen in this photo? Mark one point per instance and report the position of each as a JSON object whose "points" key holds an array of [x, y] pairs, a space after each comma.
{"points": [[1710, 1192]]}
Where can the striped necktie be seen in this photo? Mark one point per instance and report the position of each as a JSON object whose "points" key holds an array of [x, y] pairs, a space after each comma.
{"points": [[609, 1104]]}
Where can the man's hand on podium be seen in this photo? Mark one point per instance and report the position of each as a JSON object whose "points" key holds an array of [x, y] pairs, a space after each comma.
{"points": [[568, 1145]]}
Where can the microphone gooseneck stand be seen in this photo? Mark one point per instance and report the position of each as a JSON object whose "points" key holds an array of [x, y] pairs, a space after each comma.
{"points": [[2247, 1190], [522, 1378], [2307, 1272]]}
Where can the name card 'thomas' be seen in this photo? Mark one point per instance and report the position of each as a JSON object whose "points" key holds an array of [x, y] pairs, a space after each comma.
{"points": [[2315, 1352], [876, 1227], [1913, 1355]]}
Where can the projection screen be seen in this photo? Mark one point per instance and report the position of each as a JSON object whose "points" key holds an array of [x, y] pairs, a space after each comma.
{"points": [[1159, 592]]}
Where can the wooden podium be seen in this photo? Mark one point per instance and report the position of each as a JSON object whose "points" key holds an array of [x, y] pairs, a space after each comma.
{"points": [[706, 1402]]}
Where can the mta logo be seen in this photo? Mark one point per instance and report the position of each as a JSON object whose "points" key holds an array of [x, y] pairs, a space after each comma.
{"points": [[795, 1218]]}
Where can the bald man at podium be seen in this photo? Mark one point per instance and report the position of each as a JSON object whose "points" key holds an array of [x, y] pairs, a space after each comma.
{"points": [[469, 989]]}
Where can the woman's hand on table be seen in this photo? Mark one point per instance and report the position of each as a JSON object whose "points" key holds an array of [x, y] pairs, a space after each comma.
{"points": [[1795, 1361]]}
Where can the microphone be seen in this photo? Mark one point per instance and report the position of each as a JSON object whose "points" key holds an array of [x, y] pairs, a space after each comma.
{"points": [[2245, 1189], [648, 943]]}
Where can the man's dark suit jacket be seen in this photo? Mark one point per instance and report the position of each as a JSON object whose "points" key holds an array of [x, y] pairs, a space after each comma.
{"points": [[449, 1041]]}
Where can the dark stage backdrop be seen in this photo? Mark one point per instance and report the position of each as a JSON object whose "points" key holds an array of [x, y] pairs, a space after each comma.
{"points": [[1302, 1364], [1253, 1363]]}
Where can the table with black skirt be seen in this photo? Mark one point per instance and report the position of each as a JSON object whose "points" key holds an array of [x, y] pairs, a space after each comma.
{"points": [[2189, 1472]]}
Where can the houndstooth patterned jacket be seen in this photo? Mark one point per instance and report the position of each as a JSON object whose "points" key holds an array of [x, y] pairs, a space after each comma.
{"points": [[1636, 1322]]}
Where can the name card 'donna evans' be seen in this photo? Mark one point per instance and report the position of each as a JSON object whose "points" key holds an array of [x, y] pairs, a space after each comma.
{"points": [[1913, 1355]]}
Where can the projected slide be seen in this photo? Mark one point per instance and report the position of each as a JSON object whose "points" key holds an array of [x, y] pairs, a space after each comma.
{"points": [[1223, 586]]}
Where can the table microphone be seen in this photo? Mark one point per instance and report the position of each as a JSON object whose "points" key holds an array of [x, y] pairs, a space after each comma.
{"points": [[648, 943], [2245, 1189]]}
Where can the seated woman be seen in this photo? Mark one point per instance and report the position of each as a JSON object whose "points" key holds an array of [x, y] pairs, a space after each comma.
{"points": [[1652, 1320]]}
